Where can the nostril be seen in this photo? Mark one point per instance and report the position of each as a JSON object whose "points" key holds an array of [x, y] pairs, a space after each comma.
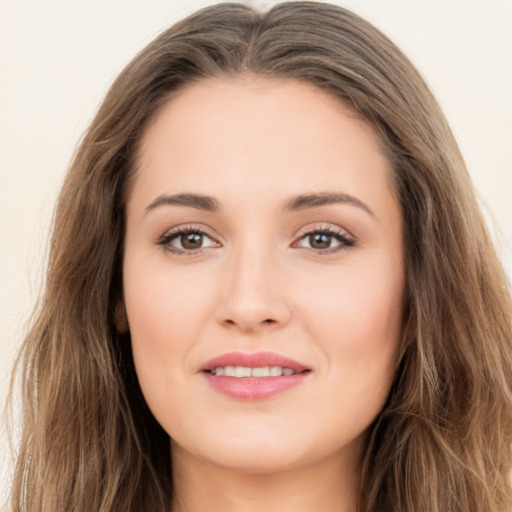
{"points": [[249, 325]]}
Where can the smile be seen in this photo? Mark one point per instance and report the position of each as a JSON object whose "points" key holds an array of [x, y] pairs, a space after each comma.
{"points": [[253, 376], [245, 371]]}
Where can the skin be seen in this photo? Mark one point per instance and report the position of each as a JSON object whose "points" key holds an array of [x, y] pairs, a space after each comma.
{"points": [[257, 283]]}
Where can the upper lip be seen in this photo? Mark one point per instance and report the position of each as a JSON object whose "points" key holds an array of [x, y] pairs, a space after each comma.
{"points": [[256, 360]]}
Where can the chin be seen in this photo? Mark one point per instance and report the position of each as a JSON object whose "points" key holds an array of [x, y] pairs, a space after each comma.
{"points": [[248, 454], [257, 461]]}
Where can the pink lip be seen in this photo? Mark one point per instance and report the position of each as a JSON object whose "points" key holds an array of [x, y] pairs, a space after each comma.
{"points": [[257, 360], [253, 388]]}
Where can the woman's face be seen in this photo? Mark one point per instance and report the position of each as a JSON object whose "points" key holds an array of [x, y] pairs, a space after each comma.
{"points": [[263, 239]]}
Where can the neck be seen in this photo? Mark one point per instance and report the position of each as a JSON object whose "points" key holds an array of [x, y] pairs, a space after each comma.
{"points": [[329, 485]]}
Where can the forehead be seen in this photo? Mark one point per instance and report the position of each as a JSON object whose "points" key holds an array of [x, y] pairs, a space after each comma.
{"points": [[252, 104], [256, 135]]}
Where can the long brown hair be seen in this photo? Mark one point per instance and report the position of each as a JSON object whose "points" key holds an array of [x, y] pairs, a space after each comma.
{"points": [[442, 442]]}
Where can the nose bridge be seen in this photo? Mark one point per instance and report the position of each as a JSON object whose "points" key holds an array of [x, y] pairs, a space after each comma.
{"points": [[252, 297]]}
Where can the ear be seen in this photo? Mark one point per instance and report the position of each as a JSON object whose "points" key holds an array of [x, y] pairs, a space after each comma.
{"points": [[120, 317]]}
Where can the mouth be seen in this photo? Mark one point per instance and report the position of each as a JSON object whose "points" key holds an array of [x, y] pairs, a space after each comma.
{"points": [[253, 376], [257, 373]]}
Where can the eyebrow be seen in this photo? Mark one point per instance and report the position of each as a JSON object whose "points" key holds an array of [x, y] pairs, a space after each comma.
{"points": [[296, 203], [305, 201], [197, 201]]}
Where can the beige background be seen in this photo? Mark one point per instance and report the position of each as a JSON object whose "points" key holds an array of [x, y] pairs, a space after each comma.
{"points": [[57, 58]]}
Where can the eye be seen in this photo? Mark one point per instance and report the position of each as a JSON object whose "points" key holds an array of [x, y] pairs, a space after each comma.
{"points": [[325, 240], [186, 241]]}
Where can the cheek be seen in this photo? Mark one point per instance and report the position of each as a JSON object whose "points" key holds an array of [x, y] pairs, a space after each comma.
{"points": [[356, 321], [165, 308], [165, 316]]}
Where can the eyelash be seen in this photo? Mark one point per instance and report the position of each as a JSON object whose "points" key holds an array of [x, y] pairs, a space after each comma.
{"points": [[345, 241], [167, 238]]}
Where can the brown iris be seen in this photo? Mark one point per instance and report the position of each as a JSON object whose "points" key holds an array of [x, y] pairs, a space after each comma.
{"points": [[320, 241], [191, 241]]}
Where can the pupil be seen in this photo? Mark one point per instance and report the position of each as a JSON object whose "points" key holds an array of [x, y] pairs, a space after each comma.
{"points": [[191, 241], [320, 241]]}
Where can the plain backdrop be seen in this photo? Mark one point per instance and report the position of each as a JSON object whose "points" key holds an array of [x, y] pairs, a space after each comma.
{"points": [[57, 59]]}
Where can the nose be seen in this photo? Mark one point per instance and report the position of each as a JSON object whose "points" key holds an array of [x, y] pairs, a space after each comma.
{"points": [[253, 296]]}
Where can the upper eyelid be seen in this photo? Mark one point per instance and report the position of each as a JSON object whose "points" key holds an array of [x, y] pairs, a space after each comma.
{"points": [[302, 232], [324, 226], [176, 230]]}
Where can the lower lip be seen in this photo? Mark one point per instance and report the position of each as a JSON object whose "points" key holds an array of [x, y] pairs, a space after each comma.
{"points": [[253, 388]]}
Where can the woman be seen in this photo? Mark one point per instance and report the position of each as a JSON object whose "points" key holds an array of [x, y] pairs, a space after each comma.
{"points": [[269, 287]]}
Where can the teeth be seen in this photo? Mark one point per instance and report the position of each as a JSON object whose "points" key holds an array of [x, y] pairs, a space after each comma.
{"points": [[229, 371], [261, 372], [244, 371], [276, 371]]}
